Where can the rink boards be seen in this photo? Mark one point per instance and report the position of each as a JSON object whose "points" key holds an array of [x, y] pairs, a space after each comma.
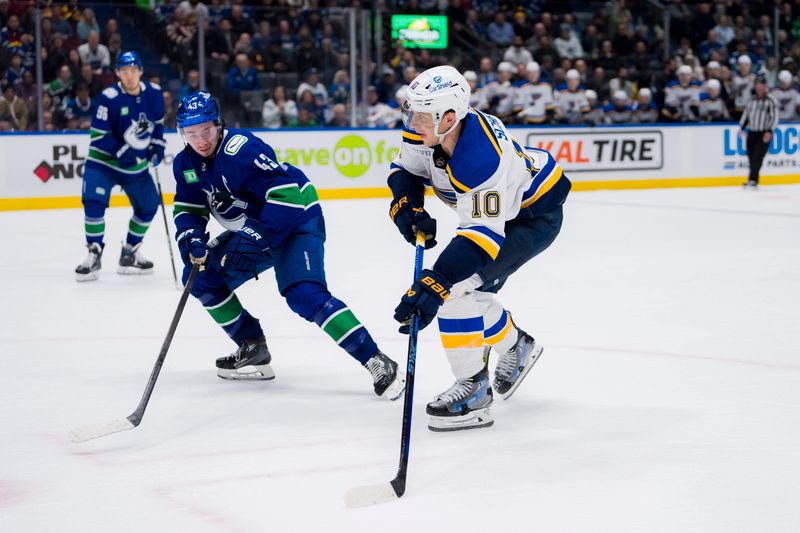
{"points": [[43, 171]]}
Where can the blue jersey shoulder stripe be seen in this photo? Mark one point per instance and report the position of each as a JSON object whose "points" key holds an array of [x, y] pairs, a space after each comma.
{"points": [[476, 156]]}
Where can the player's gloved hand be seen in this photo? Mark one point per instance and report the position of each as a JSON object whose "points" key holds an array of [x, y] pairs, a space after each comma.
{"points": [[411, 218], [155, 153], [245, 250], [424, 298], [192, 246], [125, 157]]}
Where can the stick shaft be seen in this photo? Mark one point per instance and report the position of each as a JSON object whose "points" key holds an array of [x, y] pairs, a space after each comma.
{"points": [[166, 225]]}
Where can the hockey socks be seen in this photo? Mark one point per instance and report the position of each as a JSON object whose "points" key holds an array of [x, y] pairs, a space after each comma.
{"points": [[136, 230], [95, 229], [341, 325], [234, 319]]}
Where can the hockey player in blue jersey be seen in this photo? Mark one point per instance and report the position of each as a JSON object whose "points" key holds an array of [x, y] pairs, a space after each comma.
{"points": [[508, 199], [127, 134], [273, 219]]}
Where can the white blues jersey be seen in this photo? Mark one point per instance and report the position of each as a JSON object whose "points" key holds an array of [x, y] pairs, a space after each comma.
{"points": [[742, 88], [501, 95], [713, 109], [571, 104], [788, 103], [488, 180], [533, 100], [682, 98]]}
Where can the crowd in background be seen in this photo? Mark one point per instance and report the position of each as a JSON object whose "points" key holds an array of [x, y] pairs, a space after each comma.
{"points": [[283, 63]]}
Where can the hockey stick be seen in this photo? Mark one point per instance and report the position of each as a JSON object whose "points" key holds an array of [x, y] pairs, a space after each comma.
{"points": [[134, 419], [385, 492], [166, 228]]}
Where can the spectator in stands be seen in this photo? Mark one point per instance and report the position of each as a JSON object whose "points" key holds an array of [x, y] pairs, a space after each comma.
{"points": [[500, 31], [111, 28], [570, 100], [180, 34], [475, 27], [87, 25], [644, 110], [787, 97], [220, 41], [595, 115], [567, 43], [517, 54], [724, 30], [477, 95], [486, 74], [287, 39], [546, 51], [95, 84], [192, 84], [306, 99], [682, 97], [13, 110], [240, 21], [27, 89], [711, 44], [770, 71], [4, 13], [379, 115], [339, 117], [11, 34], [599, 85], [93, 53], [114, 48], [742, 84], [606, 57], [622, 82], [79, 110], [591, 41], [618, 111], [242, 76], [278, 111], [317, 89], [74, 62], [714, 72], [306, 118], [263, 37], [339, 90], [169, 111], [712, 107]]}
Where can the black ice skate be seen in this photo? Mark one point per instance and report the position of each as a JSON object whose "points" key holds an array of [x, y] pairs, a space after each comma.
{"points": [[132, 262], [89, 270], [750, 184], [250, 361], [389, 381], [465, 405], [514, 365]]}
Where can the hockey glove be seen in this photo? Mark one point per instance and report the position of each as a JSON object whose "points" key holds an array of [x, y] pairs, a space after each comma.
{"points": [[155, 154], [192, 247], [244, 251], [424, 298], [411, 218]]}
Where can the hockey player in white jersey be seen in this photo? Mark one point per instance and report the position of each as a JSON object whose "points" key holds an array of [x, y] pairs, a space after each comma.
{"points": [[570, 99], [712, 107], [743, 83], [682, 97], [501, 91], [533, 101], [508, 199], [787, 96]]}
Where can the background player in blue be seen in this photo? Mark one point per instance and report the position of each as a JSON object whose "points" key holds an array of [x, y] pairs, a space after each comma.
{"points": [[508, 200], [127, 133], [273, 219]]}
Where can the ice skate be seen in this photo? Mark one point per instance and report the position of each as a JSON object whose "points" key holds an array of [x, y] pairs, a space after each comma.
{"points": [[514, 365], [465, 405], [89, 270], [389, 381], [751, 185], [132, 262], [250, 361]]}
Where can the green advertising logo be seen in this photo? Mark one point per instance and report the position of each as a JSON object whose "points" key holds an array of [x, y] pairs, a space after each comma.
{"points": [[352, 156]]}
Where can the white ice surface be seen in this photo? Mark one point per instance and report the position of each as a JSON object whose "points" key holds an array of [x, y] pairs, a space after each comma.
{"points": [[667, 398]]}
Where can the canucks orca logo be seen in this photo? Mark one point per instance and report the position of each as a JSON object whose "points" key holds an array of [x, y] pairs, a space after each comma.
{"points": [[138, 133], [226, 208]]}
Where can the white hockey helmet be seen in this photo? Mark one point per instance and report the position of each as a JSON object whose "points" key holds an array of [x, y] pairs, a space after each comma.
{"points": [[437, 91], [591, 95], [785, 77], [714, 85]]}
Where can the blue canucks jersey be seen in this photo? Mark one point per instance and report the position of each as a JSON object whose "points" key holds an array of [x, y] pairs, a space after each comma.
{"points": [[123, 128], [258, 190]]}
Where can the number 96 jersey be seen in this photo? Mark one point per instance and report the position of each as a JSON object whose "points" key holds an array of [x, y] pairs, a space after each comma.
{"points": [[489, 180]]}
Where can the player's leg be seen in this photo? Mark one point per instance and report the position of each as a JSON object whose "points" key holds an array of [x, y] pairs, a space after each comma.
{"points": [[517, 350], [95, 196], [466, 403], [300, 271], [214, 287], [144, 198]]}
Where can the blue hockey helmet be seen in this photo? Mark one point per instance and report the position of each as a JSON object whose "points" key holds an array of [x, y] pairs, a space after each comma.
{"points": [[129, 59], [197, 108]]}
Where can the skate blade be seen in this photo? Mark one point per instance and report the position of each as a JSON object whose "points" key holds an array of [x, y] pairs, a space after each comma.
{"points": [[91, 276], [247, 373], [480, 418], [535, 354], [133, 271], [396, 388]]}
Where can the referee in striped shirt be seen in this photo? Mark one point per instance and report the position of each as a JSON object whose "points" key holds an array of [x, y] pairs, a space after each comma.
{"points": [[760, 117]]}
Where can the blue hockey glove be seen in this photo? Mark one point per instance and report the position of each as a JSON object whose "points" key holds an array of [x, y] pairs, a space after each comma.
{"points": [[244, 251], [424, 298], [411, 218], [155, 153], [192, 246]]}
